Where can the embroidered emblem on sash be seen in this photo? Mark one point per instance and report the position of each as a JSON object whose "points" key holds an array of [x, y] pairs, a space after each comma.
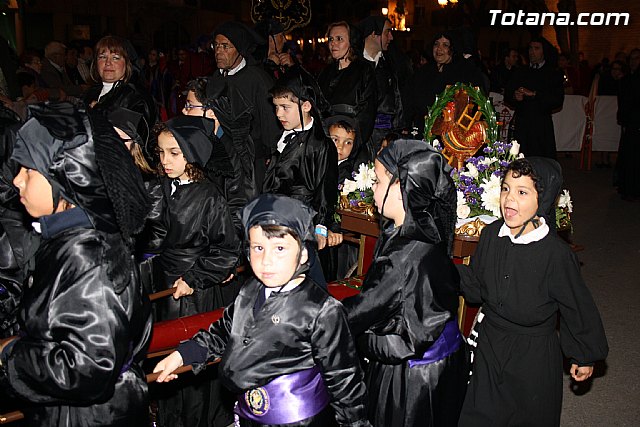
{"points": [[257, 401], [275, 319]]}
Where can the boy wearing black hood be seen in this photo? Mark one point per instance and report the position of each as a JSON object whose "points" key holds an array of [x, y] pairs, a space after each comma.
{"points": [[405, 316], [85, 320], [286, 349], [525, 275]]}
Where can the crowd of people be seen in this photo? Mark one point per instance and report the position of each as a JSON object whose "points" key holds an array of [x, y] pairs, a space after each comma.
{"points": [[143, 176]]}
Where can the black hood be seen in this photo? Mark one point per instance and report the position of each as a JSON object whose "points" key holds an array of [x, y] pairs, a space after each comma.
{"points": [[244, 39], [357, 143], [302, 84], [272, 209], [549, 174], [86, 164], [428, 191], [194, 137]]}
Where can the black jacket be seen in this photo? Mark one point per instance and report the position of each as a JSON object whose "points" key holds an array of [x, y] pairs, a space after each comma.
{"points": [[79, 361], [195, 238], [312, 331], [352, 91], [306, 170], [126, 95]]}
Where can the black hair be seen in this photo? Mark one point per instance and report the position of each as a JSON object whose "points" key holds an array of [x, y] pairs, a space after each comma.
{"points": [[343, 124], [522, 167], [199, 88]]}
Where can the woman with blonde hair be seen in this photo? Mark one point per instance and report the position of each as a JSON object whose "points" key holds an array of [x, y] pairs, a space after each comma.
{"points": [[116, 88]]}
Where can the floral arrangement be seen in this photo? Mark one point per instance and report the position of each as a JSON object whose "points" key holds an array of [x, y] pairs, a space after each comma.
{"points": [[478, 182], [564, 208], [357, 194]]}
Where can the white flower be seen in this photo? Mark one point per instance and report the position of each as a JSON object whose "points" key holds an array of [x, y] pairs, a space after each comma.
{"points": [[436, 144], [473, 171], [463, 211], [564, 201], [349, 187], [460, 200], [521, 156], [488, 161], [491, 195], [365, 177], [515, 148]]}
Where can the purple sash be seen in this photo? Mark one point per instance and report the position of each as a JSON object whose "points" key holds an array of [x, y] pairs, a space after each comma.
{"points": [[286, 399], [447, 343], [383, 121]]}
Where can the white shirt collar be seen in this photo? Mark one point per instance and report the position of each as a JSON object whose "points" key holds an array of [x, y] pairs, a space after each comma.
{"points": [[375, 59], [286, 288], [56, 66], [532, 236], [281, 143], [106, 87], [540, 64], [238, 67], [175, 183], [37, 227]]}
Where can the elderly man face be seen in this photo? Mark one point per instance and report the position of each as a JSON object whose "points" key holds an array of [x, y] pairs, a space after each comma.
{"points": [[57, 55], [227, 56]]}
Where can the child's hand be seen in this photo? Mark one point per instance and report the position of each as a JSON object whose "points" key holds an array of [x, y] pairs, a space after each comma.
{"points": [[166, 366], [181, 289], [334, 239], [322, 241], [580, 373]]}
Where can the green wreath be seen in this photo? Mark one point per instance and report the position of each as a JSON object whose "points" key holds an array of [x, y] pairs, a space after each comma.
{"points": [[483, 103]]}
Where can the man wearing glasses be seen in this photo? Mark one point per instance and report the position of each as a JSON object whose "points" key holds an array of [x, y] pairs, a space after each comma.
{"points": [[234, 45]]}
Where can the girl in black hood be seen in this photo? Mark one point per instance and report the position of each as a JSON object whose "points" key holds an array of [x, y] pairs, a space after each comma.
{"points": [[525, 275], [405, 316]]}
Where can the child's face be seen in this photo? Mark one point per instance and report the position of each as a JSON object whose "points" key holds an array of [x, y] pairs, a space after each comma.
{"points": [[393, 208], [518, 202], [274, 260], [171, 157], [343, 141], [35, 192], [288, 114]]}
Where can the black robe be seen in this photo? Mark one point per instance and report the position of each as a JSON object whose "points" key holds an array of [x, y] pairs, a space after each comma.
{"points": [[125, 95], [352, 91], [196, 240], [627, 173], [517, 370], [86, 326], [312, 331], [428, 82], [306, 170], [409, 293], [254, 85], [389, 100], [533, 126]]}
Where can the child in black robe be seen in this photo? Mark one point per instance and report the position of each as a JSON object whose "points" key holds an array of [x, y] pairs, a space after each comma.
{"points": [[405, 316], [525, 275], [304, 165], [198, 249], [85, 322], [286, 349], [339, 258]]}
